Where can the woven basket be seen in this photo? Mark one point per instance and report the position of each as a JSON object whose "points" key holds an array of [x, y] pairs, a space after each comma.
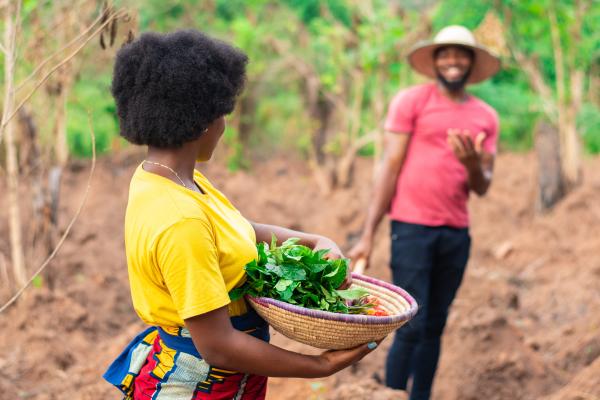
{"points": [[328, 330]]}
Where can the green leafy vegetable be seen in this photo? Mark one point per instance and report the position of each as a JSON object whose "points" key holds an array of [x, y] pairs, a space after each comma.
{"points": [[298, 275]]}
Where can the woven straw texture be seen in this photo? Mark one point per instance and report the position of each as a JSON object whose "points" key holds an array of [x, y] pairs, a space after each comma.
{"points": [[327, 330]]}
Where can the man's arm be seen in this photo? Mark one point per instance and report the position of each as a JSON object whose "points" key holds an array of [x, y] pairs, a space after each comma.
{"points": [[395, 147], [478, 163], [480, 176]]}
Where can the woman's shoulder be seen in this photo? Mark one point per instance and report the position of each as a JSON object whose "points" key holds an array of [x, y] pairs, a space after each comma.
{"points": [[158, 201]]}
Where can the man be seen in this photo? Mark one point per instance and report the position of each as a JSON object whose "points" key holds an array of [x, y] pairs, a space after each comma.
{"points": [[440, 143]]}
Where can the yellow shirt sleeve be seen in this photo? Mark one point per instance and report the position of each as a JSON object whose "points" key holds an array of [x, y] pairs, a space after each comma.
{"points": [[188, 259]]}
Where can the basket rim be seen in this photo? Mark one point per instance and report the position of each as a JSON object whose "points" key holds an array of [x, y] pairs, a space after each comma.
{"points": [[348, 318]]}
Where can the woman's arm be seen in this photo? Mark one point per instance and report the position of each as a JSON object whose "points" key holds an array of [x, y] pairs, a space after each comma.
{"points": [[264, 233], [223, 346]]}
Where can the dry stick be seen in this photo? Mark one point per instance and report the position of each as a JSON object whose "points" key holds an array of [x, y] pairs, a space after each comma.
{"points": [[64, 236], [4, 271], [51, 56], [116, 15]]}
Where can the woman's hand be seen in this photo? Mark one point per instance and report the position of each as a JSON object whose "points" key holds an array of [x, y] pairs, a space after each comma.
{"points": [[325, 243], [336, 360], [334, 253]]}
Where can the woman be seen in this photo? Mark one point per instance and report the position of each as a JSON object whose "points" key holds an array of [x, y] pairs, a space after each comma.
{"points": [[186, 244]]}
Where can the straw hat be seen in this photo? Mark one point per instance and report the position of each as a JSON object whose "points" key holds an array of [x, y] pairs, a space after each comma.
{"points": [[485, 65]]}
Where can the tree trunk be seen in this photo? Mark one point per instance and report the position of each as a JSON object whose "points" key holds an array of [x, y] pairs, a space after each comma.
{"points": [[571, 155], [64, 81], [61, 148], [29, 151], [550, 177], [572, 142], [12, 167]]}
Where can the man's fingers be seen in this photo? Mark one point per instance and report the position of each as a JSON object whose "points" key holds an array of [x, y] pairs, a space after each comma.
{"points": [[456, 145], [467, 144], [479, 142]]}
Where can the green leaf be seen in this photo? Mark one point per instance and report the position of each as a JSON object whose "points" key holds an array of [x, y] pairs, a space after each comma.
{"points": [[262, 253], [316, 268], [293, 272], [286, 295], [275, 269], [237, 293], [310, 298], [332, 273], [352, 294], [290, 242], [283, 284], [273, 241], [38, 281], [321, 253], [341, 265], [258, 285]]}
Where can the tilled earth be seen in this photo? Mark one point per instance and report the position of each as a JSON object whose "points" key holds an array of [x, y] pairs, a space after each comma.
{"points": [[525, 325]]}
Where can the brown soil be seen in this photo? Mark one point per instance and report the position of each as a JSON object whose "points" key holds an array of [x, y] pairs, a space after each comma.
{"points": [[525, 324]]}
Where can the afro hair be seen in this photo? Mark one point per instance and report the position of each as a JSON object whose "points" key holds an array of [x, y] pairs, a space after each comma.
{"points": [[169, 87]]}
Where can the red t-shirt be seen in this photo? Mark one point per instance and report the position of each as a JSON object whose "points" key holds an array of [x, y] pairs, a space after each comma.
{"points": [[432, 187]]}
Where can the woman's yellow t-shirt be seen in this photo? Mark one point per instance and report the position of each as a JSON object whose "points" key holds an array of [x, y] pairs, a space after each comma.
{"points": [[185, 250]]}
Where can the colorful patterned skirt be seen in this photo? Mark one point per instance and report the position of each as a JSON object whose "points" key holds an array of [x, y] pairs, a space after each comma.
{"points": [[162, 366]]}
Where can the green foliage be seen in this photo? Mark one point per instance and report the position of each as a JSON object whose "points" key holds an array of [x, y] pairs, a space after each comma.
{"points": [[588, 124], [236, 160], [91, 95], [312, 10], [517, 109], [460, 12], [38, 281], [339, 40]]}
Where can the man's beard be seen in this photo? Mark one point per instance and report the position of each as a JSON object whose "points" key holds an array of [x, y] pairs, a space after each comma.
{"points": [[454, 86]]}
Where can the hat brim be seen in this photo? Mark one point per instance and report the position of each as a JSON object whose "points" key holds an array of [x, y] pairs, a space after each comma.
{"points": [[484, 66]]}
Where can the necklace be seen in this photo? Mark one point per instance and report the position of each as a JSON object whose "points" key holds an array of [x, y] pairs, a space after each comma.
{"points": [[170, 169]]}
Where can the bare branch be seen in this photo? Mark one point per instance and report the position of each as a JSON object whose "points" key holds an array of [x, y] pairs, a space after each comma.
{"points": [[68, 230], [559, 63], [364, 140], [532, 70], [41, 65], [118, 14]]}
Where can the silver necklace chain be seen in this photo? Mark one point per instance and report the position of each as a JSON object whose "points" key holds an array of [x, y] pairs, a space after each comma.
{"points": [[170, 169]]}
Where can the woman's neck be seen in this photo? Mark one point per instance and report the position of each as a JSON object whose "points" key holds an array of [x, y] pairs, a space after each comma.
{"points": [[181, 161]]}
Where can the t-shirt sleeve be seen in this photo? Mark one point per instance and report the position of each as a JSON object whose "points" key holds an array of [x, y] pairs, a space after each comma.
{"points": [[401, 112], [188, 259], [490, 143]]}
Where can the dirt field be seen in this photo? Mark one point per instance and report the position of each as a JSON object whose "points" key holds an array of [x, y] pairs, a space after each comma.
{"points": [[525, 325]]}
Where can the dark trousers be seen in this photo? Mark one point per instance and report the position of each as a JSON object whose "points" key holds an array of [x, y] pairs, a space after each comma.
{"points": [[428, 262]]}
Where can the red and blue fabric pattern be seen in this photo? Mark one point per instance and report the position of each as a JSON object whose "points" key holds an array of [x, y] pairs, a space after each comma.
{"points": [[161, 366]]}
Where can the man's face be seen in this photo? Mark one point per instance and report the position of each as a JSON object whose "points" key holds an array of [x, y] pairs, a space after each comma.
{"points": [[453, 63]]}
